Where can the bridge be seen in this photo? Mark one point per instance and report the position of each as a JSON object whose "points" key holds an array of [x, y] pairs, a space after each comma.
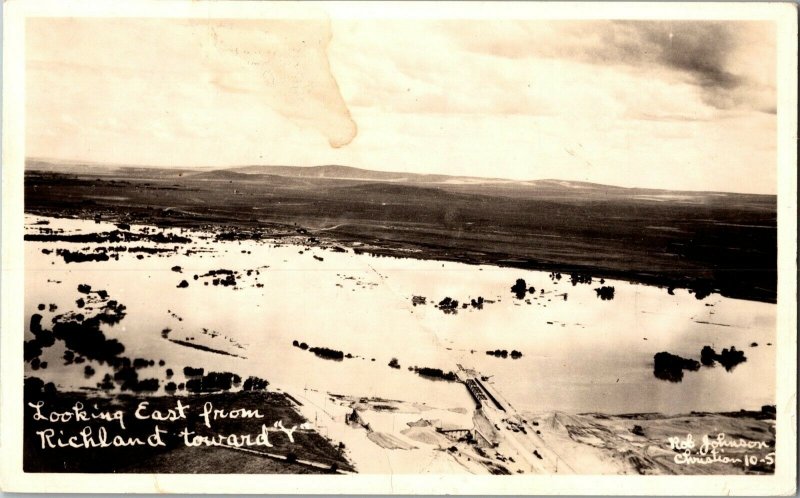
{"points": [[477, 390], [505, 430]]}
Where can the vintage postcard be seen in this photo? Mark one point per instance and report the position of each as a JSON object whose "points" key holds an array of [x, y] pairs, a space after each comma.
{"points": [[377, 247]]}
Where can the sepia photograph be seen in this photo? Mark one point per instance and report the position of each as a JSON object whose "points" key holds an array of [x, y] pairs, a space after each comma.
{"points": [[366, 240]]}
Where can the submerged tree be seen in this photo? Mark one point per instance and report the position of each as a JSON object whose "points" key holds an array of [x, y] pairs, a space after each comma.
{"points": [[520, 288], [606, 293]]}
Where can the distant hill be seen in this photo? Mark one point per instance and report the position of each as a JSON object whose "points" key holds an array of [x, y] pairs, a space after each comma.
{"points": [[347, 176], [89, 168], [351, 173], [234, 176]]}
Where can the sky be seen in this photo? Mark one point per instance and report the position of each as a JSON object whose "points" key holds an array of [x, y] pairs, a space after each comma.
{"points": [[664, 104]]}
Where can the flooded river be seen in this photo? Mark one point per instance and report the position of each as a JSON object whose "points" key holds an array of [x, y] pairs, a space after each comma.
{"points": [[580, 353]]}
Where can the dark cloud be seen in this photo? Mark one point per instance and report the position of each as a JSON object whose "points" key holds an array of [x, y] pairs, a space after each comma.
{"points": [[700, 48], [705, 52]]}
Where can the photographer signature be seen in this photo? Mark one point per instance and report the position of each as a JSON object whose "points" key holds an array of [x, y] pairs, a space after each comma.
{"points": [[709, 450]]}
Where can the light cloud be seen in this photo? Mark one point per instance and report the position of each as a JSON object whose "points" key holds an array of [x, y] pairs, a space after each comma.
{"points": [[613, 102]]}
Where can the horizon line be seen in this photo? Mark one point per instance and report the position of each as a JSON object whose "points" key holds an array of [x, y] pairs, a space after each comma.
{"points": [[78, 162]]}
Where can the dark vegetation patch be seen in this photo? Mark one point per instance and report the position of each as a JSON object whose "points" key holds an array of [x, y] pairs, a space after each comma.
{"points": [[226, 278], [670, 367], [503, 353], [214, 273], [114, 236], [728, 358], [327, 353], [580, 278], [255, 384], [213, 382], [448, 305], [193, 372], [239, 234], [80, 257], [606, 293], [435, 373], [149, 250], [322, 352], [521, 289], [477, 303], [702, 290], [83, 340], [301, 345]]}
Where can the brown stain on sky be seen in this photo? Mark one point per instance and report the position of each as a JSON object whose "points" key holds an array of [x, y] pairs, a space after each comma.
{"points": [[353, 131], [285, 63]]}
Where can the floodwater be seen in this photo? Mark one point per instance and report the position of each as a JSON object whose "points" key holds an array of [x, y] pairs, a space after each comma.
{"points": [[580, 354]]}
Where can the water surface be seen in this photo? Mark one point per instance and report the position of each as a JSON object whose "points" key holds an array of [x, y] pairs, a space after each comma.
{"points": [[579, 354]]}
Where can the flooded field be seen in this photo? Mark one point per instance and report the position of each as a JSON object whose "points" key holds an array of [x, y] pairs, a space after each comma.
{"points": [[248, 306]]}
